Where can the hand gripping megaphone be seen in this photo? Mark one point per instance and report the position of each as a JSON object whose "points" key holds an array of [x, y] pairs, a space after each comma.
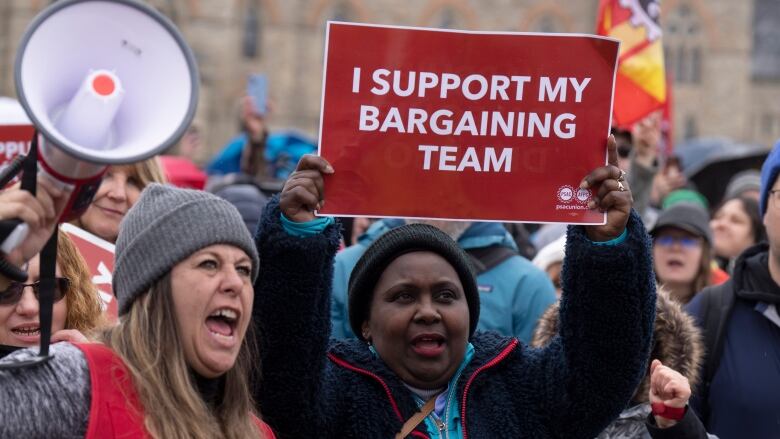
{"points": [[104, 82]]}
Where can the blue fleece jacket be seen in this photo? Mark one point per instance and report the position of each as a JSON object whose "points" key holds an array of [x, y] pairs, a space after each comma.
{"points": [[572, 388], [513, 295]]}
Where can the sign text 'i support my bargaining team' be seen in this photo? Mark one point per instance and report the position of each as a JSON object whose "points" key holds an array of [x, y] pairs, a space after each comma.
{"points": [[464, 125]]}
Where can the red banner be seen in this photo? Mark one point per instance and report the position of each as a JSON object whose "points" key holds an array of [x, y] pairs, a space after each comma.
{"points": [[14, 140], [462, 125], [99, 255]]}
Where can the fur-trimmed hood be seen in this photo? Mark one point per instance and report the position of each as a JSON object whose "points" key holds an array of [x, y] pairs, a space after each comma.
{"points": [[677, 340]]}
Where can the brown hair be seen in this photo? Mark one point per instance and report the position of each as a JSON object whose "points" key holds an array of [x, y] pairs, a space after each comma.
{"points": [[85, 313], [148, 341], [704, 277]]}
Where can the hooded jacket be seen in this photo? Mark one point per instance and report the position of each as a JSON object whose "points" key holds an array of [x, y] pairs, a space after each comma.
{"points": [[743, 398], [573, 388], [677, 343], [513, 294]]}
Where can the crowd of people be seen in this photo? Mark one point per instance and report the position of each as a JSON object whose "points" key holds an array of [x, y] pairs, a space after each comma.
{"points": [[243, 314]]}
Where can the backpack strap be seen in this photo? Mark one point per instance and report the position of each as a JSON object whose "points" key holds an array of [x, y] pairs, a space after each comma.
{"points": [[416, 418], [717, 303], [485, 258]]}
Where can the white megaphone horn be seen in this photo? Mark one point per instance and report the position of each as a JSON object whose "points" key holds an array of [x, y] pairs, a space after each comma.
{"points": [[104, 82]]}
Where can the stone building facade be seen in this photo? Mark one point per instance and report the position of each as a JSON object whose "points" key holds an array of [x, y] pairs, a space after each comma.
{"points": [[723, 54]]}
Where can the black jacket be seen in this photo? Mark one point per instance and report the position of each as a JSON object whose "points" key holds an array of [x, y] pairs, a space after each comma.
{"points": [[571, 389]]}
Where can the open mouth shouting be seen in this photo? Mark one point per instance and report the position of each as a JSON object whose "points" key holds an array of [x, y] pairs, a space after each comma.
{"points": [[428, 345], [222, 324]]}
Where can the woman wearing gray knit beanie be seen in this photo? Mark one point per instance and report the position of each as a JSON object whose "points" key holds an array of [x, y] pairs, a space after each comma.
{"points": [[176, 365]]}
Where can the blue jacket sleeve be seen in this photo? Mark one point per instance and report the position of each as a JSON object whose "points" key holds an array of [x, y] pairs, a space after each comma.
{"points": [[291, 318], [535, 293], [589, 372], [338, 308]]}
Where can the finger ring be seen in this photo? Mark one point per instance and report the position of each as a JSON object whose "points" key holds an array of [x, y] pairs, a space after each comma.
{"points": [[621, 188], [622, 176]]}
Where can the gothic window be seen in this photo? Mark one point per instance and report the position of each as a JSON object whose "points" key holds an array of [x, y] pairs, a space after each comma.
{"points": [[691, 129], [766, 40], [683, 45]]}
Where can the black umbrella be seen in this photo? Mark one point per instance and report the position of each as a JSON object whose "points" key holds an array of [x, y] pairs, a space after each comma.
{"points": [[711, 162]]}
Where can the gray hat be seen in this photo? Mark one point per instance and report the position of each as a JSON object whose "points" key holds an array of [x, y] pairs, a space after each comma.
{"points": [[741, 182], [686, 216], [167, 225]]}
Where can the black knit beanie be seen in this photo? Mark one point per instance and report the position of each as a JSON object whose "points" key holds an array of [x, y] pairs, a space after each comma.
{"points": [[397, 242]]}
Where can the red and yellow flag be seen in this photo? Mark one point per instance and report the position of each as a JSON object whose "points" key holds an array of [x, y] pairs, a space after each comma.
{"points": [[640, 84]]}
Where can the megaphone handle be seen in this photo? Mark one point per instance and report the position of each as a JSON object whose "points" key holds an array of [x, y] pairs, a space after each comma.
{"points": [[10, 171], [12, 233]]}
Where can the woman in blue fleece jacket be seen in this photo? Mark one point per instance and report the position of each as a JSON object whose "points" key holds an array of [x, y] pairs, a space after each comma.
{"points": [[414, 305]]}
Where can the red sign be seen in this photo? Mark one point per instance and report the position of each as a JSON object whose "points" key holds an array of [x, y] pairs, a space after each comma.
{"points": [[14, 140], [464, 125], [99, 255]]}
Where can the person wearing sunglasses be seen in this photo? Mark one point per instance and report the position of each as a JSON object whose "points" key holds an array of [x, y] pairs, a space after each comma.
{"points": [[682, 250], [177, 364], [76, 312]]}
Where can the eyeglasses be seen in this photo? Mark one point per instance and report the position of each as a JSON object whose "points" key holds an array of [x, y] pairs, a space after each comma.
{"points": [[13, 293], [685, 242]]}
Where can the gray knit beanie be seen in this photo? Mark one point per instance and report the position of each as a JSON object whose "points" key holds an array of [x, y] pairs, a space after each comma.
{"points": [[391, 245], [166, 226]]}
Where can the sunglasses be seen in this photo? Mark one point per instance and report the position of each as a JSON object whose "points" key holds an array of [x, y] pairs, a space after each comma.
{"points": [[668, 241], [13, 293]]}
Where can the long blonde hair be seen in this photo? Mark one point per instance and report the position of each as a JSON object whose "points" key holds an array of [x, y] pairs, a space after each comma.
{"points": [[84, 311], [147, 339]]}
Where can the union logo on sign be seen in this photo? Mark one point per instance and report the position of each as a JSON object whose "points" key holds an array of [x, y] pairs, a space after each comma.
{"points": [[565, 193], [583, 195]]}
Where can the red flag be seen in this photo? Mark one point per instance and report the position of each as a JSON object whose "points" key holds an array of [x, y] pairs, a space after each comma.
{"points": [[640, 84]]}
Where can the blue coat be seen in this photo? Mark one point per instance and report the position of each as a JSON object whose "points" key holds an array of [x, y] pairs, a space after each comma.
{"points": [[573, 388], [514, 294]]}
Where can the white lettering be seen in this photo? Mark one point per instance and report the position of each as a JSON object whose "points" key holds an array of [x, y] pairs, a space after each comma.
{"points": [[427, 149], [498, 86], [470, 160], [356, 80], [547, 93], [393, 120], [570, 127], [449, 81], [417, 117], [483, 87], [466, 124], [520, 81], [379, 79], [445, 158], [427, 80], [368, 118], [445, 128], [409, 84], [579, 87], [505, 159]]}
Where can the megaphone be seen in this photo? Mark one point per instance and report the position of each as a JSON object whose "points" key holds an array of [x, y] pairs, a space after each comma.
{"points": [[104, 82]]}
